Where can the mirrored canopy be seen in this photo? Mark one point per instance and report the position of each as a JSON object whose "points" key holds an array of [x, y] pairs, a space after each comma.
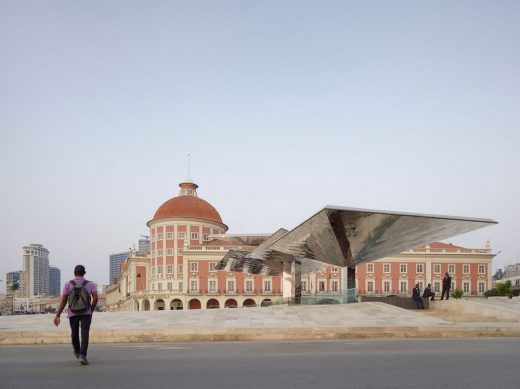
{"points": [[347, 237]]}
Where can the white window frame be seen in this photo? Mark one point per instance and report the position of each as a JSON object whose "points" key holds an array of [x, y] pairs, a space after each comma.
{"points": [[194, 266], [465, 267], [267, 286], [483, 267], [405, 266], [370, 286], [194, 236], [249, 285], [169, 269], [322, 286], [334, 285], [169, 236], [194, 285], [212, 285], [370, 267], [451, 268], [386, 268], [419, 268], [230, 285]]}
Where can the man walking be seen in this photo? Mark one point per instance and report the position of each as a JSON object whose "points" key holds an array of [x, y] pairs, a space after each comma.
{"points": [[81, 295], [416, 295], [446, 286]]}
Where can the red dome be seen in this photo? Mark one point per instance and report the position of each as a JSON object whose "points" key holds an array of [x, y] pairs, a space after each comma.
{"points": [[188, 206]]}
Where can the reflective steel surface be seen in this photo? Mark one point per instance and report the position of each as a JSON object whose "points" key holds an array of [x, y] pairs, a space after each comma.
{"points": [[347, 237]]}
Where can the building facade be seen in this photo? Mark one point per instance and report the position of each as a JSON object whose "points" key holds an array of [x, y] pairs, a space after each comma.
{"points": [[512, 273], [54, 281], [115, 262], [188, 239], [180, 270], [470, 270], [35, 274]]}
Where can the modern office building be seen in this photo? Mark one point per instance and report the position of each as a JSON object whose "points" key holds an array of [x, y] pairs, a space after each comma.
{"points": [[144, 246], [35, 274], [54, 281], [115, 265]]}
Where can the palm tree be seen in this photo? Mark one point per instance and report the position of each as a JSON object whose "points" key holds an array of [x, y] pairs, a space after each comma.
{"points": [[14, 288]]}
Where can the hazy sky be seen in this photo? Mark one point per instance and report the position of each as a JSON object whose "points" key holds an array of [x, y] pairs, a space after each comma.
{"points": [[285, 106]]}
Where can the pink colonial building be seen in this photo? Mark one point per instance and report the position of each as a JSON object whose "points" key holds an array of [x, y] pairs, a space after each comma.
{"points": [[188, 239], [470, 270], [180, 271]]}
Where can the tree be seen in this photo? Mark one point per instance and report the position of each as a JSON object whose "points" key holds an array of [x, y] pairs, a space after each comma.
{"points": [[505, 288], [14, 288], [499, 274]]}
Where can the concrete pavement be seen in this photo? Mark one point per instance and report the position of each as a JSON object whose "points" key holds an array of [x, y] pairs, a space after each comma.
{"points": [[498, 317]]}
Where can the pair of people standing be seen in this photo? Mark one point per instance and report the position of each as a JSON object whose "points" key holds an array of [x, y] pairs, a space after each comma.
{"points": [[81, 295]]}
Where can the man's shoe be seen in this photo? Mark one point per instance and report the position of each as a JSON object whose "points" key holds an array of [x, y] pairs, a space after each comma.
{"points": [[82, 360], [76, 355]]}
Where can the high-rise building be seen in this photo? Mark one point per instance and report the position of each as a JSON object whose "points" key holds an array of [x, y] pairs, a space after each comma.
{"points": [[144, 246], [35, 274], [115, 264], [54, 281], [11, 278]]}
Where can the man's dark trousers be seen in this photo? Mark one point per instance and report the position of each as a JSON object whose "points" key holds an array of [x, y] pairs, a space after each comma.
{"points": [[75, 321], [447, 291]]}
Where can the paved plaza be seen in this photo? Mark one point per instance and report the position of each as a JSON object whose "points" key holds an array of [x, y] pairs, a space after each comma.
{"points": [[453, 318]]}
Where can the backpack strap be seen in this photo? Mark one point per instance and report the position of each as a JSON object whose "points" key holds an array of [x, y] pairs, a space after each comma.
{"points": [[74, 283], [85, 282]]}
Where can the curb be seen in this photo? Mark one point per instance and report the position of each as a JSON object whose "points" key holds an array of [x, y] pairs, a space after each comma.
{"points": [[257, 334]]}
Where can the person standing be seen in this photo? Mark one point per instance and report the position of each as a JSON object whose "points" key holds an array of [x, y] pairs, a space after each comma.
{"points": [[446, 286], [428, 293], [81, 296], [416, 295]]}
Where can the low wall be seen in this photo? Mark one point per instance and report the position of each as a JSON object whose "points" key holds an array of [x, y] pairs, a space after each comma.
{"points": [[398, 301]]}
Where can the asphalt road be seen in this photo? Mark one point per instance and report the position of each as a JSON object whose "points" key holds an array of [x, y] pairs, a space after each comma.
{"points": [[435, 363]]}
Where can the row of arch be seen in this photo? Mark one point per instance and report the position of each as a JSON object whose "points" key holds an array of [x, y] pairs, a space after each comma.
{"points": [[160, 305]]}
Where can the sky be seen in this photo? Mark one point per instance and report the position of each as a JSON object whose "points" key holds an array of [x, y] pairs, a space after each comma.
{"points": [[284, 106]]}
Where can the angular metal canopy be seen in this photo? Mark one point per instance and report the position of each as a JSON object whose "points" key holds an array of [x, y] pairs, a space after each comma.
{"points": [[347, 237]]}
